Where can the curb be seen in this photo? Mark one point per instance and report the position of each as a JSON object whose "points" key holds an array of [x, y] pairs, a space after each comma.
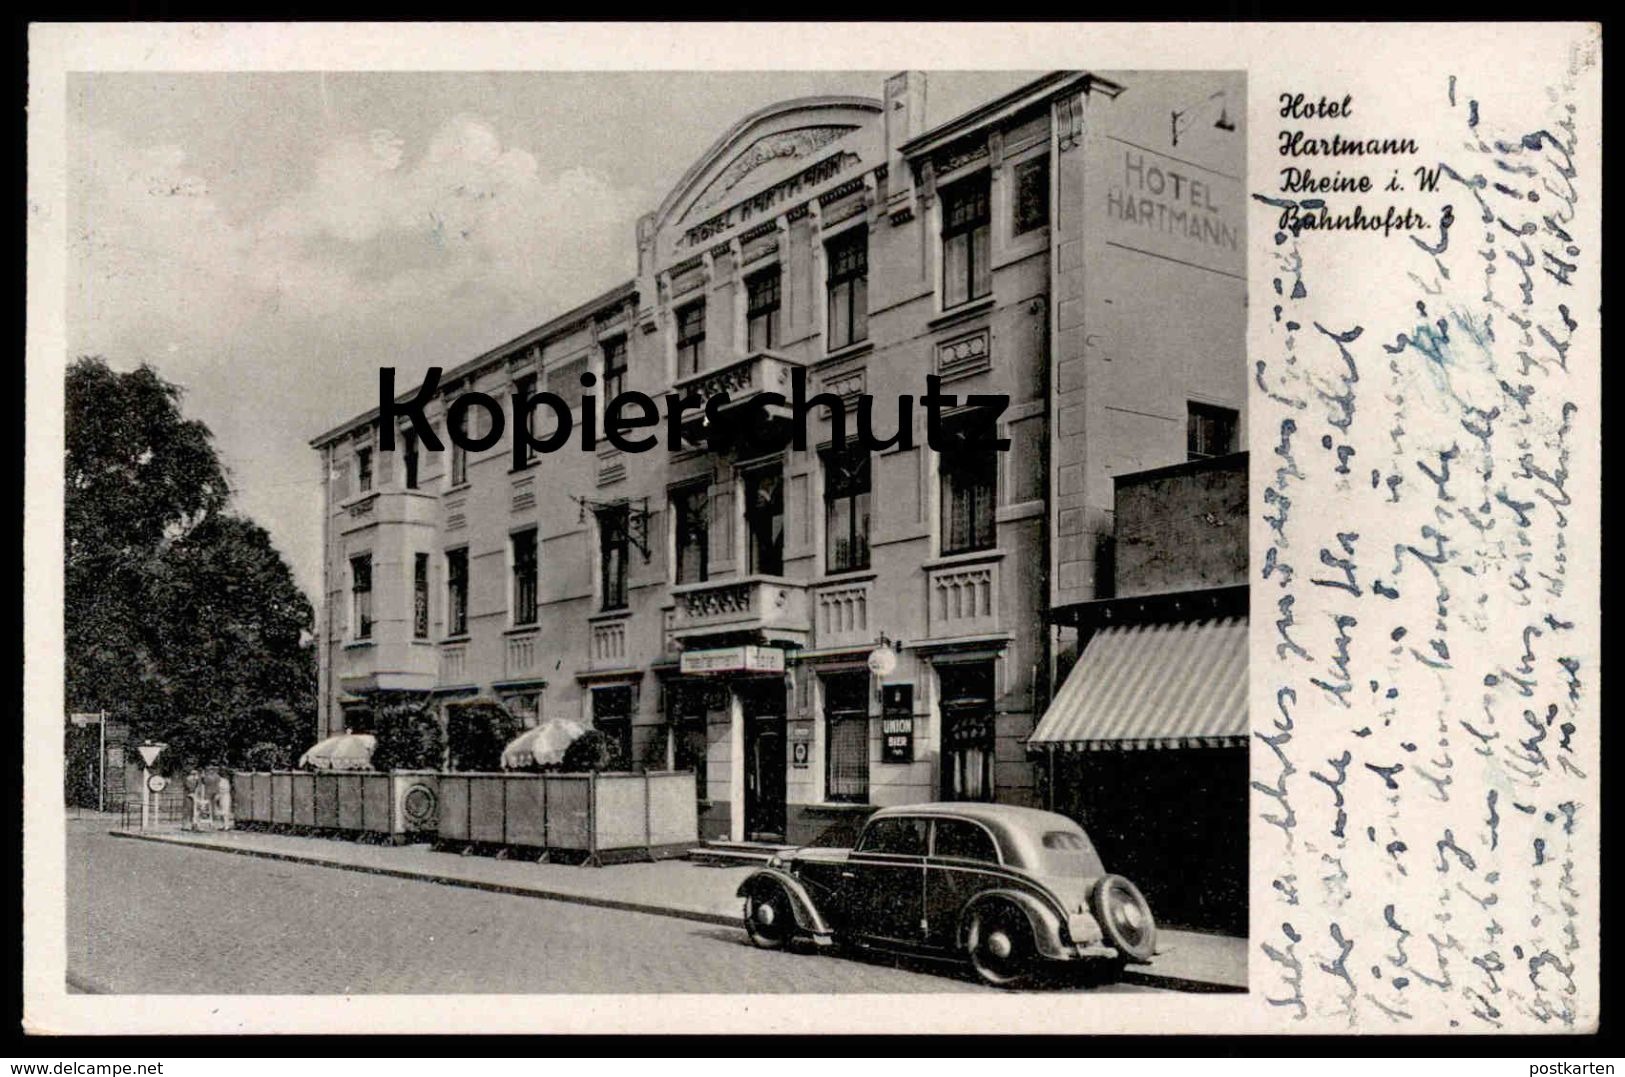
{"points": [[1130, 976], [509, 889]]}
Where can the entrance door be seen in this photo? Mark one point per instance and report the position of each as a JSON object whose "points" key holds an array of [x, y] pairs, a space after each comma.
{"points": [[764, 761]]}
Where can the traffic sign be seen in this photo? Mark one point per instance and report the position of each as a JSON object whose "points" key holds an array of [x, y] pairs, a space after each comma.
{"points": [[157, 783], [92, 718], [149, 752]]}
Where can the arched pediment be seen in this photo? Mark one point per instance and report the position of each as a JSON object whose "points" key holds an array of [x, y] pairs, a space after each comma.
{"points": [[762, 148]]}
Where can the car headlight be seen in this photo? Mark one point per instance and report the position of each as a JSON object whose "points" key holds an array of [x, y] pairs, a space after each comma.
{"points": [[775, 861]]}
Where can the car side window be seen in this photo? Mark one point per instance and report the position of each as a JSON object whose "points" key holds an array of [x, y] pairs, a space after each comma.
{"points": [[964, 841], [896, 836]]}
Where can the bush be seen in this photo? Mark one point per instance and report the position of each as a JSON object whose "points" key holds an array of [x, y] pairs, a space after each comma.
{"points": [[593, 750], [409, 734], [271, 729], [476, 732], [266, 756]]}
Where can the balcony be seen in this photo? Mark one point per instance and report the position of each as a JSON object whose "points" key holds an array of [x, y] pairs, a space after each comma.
{"points": [[762, 608], [743, 380]]}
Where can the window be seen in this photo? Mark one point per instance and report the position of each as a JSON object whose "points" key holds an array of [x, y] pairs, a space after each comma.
{"points": [[691, 519], [410, 458], [457, 592], [848, 257], [846, 509], [762, 310], [524, 386], [969, 476], [564, 382], [524, 577], [685, 711], [614, 368], [613, 545], [966, 272], [363, 469], [894, 836], [764, 520], [612, 715], [526, 706], [361, 596], [1209, 431], [961, 839], [846, 737], [420, 596], [691, 339], [458, 474], [967, 730], [1030, 208]]}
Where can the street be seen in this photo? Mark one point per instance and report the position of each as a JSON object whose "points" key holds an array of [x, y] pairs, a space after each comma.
{"points": [[159, 919]]}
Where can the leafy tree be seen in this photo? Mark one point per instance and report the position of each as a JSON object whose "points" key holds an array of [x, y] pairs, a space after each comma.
{"points": [[476, 732], [408, 732], [180, 617], [593, 750]]}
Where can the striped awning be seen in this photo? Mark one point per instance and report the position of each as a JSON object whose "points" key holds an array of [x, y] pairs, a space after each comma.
{"points": [[1160, 685]]}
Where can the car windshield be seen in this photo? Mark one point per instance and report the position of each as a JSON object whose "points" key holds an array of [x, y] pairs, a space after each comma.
{"points": [[1068, 853]]}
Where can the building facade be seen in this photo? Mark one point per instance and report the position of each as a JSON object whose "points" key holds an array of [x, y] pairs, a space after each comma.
{"points": [[1074, 246]]}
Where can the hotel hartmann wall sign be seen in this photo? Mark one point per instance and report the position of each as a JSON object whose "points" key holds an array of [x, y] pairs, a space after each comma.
{"points": [[746, 659]]}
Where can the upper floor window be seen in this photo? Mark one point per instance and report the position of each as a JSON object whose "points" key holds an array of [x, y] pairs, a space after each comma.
{"points": [[457, 592], [524, 577], [361, 596], [762, 310], [420, 596], [969, 475], [410, 458], [1029, 207], [764, 520], [846, 509], [848, 257], [691, 519], [614, 368], [1209, 430], [691, 339], [564, 381], [614, 544], [966, 261], [458, 471], [524, 387], [363, 469]]}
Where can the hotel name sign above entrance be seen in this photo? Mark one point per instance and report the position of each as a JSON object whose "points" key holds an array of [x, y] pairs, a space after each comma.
{"points": [[762, 202], [743, 659]]}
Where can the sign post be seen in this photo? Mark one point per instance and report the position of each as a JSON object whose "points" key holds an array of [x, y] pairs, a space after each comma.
{"points": [[149, 756], [99, 719]]}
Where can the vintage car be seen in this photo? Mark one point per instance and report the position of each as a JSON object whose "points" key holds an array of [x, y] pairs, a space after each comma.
{"points": [[1012, 889]]}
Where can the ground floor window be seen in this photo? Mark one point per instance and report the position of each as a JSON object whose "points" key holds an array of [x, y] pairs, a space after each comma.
{"points": [[526, 706], [612, 716], [686, 719], [967, 730], [846, 737]]}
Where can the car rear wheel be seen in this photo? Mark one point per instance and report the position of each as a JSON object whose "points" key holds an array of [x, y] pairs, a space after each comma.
{"points": [[769, 920], [1125, 918], [1001, 945]]}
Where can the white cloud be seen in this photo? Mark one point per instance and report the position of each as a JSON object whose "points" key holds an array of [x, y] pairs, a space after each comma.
{"points": [[276, 317]]}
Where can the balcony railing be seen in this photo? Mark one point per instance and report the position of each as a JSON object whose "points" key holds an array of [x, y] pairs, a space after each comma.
{"points": [[743, 380], [763, 606], [607, 647], [519, 654], [453, 663]]}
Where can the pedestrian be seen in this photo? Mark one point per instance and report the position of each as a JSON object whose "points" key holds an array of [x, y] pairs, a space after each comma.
{"points": [[222, 803]]}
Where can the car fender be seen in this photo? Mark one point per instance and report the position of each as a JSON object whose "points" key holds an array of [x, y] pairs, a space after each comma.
{"points": [[1045, 921], [808, 918]]}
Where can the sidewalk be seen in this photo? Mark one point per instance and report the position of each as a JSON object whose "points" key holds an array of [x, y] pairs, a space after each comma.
{"points": [[1189, 961]]}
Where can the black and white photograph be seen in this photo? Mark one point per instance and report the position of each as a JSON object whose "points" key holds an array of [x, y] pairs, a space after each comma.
{"points": [[1099, 541], [695, 701]]}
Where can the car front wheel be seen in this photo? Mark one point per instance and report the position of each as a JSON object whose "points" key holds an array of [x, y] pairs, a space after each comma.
{"points": [[1001, 946], [769, 920]]}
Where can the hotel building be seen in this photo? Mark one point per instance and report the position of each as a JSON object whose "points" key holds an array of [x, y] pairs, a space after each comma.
{"points": [[820, 631]]}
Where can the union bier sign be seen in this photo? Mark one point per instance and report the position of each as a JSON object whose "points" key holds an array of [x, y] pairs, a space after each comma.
{"points": [[897, 723]]}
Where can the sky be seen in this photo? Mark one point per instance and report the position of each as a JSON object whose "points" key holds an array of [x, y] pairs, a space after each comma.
{"points": [[268, 241]]}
